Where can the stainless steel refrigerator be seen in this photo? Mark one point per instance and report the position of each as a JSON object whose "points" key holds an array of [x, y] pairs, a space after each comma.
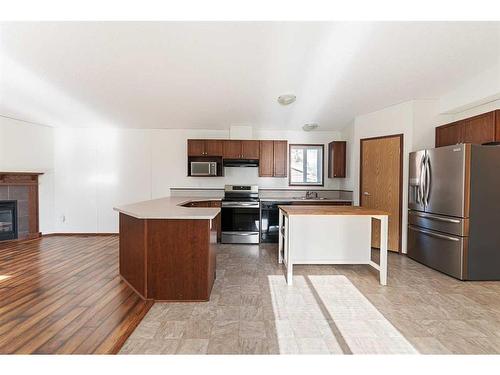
{"points": [[454, 210]]}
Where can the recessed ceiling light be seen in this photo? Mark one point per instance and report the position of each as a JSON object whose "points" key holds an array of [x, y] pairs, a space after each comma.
{"points": [[286, 99], [309, 127]]}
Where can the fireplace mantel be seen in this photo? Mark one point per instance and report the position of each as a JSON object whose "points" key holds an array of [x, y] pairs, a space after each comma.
{"points": [[23, 188], [19, 178]]}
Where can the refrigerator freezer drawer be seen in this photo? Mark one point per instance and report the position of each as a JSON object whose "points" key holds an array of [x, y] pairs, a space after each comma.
{"points": [[440, 251], [446, 224]]}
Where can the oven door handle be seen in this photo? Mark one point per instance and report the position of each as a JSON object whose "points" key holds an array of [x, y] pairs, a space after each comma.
{"points": [[240, 205], [236, 233]]}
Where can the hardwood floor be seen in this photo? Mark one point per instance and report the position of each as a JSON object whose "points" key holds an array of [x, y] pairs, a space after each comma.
{"points": [[63, 294]]}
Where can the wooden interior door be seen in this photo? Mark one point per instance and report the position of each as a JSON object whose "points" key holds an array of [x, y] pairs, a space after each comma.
{"points": [[380, 184]]}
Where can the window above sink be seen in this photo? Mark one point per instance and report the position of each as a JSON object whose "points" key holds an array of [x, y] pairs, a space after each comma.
{"points": [[306, 165]]}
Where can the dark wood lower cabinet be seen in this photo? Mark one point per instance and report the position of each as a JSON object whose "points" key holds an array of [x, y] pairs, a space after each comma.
{"points": [[217, 221], [168, 260]]}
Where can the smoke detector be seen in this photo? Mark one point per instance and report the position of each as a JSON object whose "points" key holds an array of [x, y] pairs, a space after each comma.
{"points": [[286, 99], [309, 127]]}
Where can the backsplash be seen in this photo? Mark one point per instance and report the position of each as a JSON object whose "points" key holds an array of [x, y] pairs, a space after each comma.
{"points": [[263, 193]]}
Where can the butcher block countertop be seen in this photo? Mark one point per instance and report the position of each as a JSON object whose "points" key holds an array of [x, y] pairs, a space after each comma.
{"points": [[330, 210], [169, 208]]}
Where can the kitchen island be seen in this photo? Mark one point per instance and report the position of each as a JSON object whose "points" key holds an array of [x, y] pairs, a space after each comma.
{"points": [[167, 249], [330, 235]]}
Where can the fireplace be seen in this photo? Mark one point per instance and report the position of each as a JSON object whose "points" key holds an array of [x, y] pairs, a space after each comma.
{"points": [[8, 220]]}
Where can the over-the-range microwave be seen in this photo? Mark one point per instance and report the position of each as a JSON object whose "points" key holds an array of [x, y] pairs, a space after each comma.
{"points": [[203, 168]]}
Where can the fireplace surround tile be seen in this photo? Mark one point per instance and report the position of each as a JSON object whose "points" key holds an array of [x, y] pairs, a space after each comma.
{"points": [[20, 193], [4, 192]]}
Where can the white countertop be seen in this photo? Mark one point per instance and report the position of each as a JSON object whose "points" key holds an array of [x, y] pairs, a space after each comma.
{"points": [[169, 208]]}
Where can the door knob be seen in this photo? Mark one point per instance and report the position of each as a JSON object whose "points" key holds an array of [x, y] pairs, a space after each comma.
{"points": [[366, 193]]}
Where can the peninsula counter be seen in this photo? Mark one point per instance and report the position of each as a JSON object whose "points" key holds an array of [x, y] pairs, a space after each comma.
{"points": [[166, 249]]}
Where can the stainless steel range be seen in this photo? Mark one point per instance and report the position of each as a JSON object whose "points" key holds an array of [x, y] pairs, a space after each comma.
{"points": [[240, 214]]}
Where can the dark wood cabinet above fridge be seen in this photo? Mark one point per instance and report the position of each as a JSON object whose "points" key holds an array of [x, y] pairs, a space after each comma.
{"points": [[483, 128]]}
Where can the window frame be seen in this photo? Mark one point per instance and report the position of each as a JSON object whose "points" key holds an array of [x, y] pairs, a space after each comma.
{"points": [[305, 145]]}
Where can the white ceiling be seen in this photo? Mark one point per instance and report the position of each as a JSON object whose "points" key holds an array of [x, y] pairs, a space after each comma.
{"points": [[215, 74]]}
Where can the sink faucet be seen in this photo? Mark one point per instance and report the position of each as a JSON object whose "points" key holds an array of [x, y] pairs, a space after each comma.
{"points": [[311, 194]]}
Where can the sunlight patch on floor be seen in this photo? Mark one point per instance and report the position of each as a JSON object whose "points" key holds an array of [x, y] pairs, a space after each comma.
{"points": [[329, 311]]}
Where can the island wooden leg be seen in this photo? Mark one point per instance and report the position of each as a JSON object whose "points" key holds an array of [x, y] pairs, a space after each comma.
{"points": [[288, 251], [384, 228]]}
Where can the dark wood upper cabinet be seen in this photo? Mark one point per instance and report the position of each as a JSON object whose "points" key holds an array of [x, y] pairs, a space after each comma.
{"points": [[196, 147], [272, 155], [266, 160], [280, 158], [479, 129], [272, 159], [204, 147], [450, 134], [247, 149], [213, 147], [336, 159], [250, 149], [231, 149]]}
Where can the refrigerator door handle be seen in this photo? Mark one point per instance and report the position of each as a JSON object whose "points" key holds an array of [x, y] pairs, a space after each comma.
{"points": [[427, 180], [420, 189], [432, 234]]}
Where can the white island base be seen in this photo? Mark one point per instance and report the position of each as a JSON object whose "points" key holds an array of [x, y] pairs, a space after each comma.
{"points": [[333, 235]]}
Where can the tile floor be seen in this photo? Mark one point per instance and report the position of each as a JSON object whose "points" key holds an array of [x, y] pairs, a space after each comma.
{"points": [[328, 310]]}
